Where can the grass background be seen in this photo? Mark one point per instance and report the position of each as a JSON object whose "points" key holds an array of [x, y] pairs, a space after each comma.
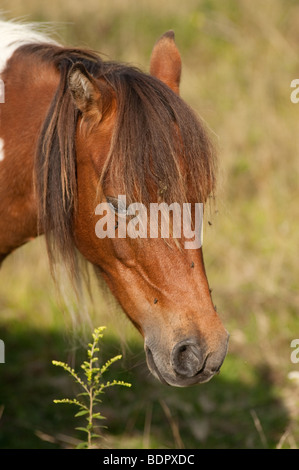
{"points": [[239, 59]]}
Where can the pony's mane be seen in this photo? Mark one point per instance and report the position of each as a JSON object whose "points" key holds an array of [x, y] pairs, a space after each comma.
{"points": [[159, 149]]}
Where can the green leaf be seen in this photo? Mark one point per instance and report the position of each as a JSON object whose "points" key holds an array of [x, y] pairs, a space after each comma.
{"points": [[98, 416], [81, 413], [95, 435], [83, 429]]}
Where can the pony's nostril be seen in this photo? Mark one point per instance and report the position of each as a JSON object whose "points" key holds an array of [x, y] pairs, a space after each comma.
{"points": [[187, 358]]}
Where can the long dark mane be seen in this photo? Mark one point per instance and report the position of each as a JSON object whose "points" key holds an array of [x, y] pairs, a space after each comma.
{"points": [[158, 142]]}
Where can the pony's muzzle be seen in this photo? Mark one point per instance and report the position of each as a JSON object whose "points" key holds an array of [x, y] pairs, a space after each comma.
{"points": [[191, 362]]}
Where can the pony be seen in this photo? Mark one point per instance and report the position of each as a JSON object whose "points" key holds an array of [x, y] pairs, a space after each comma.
{"points": [[77, 131]]}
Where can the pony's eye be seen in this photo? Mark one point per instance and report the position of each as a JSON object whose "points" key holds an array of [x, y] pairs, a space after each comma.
{"points": [[117, 205]]}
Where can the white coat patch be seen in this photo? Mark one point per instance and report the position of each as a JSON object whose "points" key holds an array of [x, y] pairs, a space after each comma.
{"points": [[14, 34]]}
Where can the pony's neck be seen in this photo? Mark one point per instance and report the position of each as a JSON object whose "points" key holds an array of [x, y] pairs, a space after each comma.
{"points": [[29, 88]]}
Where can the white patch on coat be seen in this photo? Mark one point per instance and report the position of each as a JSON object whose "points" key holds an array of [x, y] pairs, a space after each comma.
{"points": [[14, 35]]}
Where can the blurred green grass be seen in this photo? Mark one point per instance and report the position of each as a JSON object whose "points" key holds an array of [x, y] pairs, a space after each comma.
{"points": [[238, 62]]}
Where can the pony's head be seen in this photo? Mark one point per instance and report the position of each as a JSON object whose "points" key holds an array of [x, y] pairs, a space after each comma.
{"points": [[134, 136]]}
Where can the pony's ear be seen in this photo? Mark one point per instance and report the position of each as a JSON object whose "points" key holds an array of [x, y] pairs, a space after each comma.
{"points": [[85, 92], [165, 62]]}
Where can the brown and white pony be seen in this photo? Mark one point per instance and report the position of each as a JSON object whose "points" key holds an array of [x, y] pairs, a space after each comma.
{"points": [[75, 131]]}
